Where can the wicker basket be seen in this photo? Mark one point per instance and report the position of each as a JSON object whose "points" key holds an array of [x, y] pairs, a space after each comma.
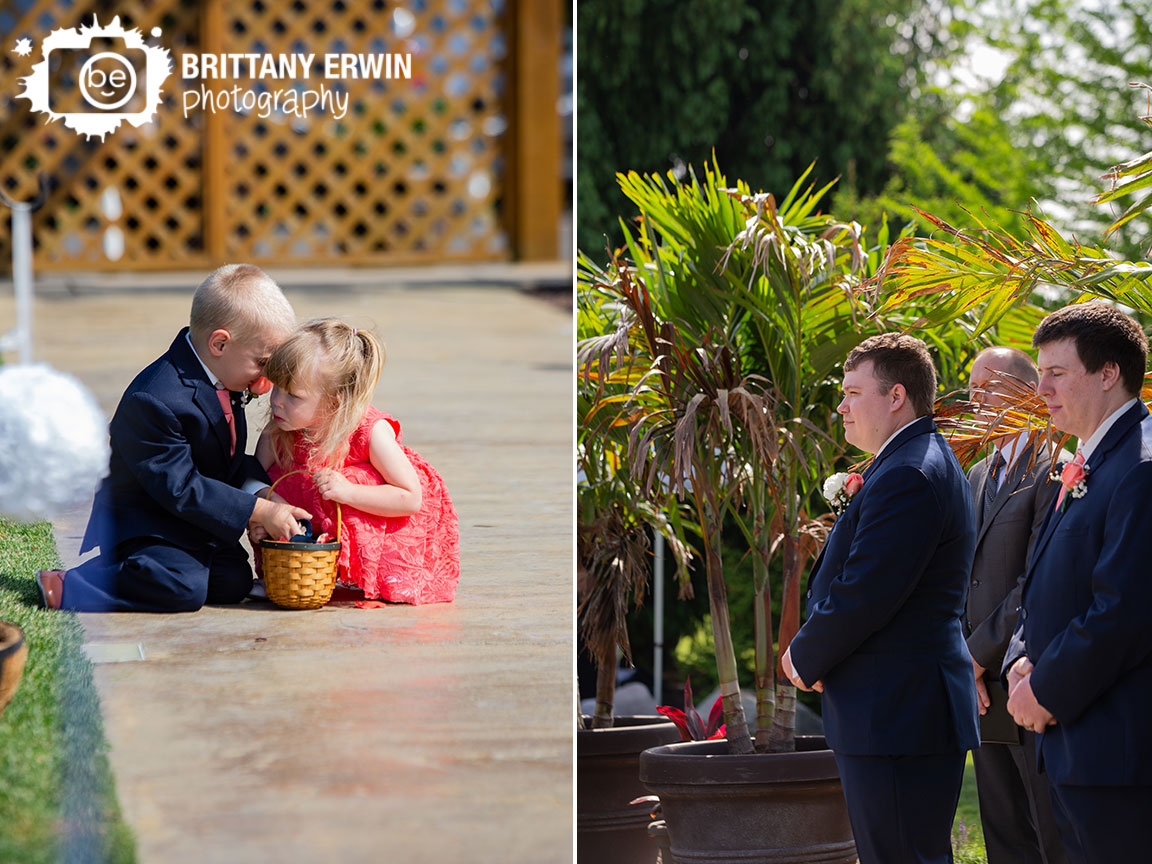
{"points": [[300, 575]]}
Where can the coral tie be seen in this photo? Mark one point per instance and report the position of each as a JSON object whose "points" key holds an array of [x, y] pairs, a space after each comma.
{"points": [[225, 397], [1078, 461]]}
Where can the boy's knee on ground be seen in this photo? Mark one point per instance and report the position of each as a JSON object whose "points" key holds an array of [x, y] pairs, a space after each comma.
{"points": [[228, 592], [229, 576], [179, 596]]}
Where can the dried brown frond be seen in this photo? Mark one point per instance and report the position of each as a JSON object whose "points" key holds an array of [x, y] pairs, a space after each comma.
{"points": [[614, 551]]}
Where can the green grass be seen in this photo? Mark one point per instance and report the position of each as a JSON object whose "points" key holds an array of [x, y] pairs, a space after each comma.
{"points": [[967, 835], [57, 797]]}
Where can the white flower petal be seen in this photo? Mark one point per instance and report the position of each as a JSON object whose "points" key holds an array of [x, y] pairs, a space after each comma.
{"points": [[53, 443]]}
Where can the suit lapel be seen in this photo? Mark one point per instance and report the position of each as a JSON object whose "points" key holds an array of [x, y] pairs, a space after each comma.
{"points": [[203, 392], [917, 427], [978, 493], [1119, 429], [1011, 483]]}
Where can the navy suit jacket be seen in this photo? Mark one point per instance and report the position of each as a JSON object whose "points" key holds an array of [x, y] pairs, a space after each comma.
{"points": [[170, 474], [885, 604], [1084, 621]]}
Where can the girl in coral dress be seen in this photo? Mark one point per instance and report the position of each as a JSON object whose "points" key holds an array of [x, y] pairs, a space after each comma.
{"points": [[400, 540]]}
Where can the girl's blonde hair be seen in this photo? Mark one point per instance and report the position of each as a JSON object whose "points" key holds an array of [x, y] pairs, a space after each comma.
{"points": [[344, 363]]}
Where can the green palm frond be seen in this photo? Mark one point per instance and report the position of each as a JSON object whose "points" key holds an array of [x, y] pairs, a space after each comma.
{"points": [[988, 272]]}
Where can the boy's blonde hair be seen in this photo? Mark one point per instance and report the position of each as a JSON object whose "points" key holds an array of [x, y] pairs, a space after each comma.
{"points": [[242, 299], [344, 363]]}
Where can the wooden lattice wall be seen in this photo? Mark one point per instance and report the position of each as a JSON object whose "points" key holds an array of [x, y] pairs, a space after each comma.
{"points": [[439, 167]]}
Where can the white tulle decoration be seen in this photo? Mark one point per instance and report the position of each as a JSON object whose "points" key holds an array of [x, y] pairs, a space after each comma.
{"points": [[53, 443]]}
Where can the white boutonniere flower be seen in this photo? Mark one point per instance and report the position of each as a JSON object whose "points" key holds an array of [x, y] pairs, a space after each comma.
{"points": [[841, 488]]}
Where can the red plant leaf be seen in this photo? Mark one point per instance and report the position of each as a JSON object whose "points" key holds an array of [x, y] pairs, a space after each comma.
{"points": [[716, 718], [695, 724], [677, 717]]}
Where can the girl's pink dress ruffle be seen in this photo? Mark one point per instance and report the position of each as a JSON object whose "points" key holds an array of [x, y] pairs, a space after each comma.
{"points": [[401, 559]]}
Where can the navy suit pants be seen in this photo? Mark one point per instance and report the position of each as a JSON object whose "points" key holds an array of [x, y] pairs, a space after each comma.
{"points": [[1103, 824], [147, 574], [902, 807]]}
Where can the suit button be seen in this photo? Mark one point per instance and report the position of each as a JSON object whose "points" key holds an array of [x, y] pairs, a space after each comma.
{"points": [[809, 593], [1024, 613], [975, 582]]}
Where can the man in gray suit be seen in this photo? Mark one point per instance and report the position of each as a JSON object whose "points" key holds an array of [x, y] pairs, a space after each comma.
{"points": [[1012, 497]]}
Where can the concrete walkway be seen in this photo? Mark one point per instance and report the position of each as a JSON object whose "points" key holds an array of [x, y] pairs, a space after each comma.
{"points": [[429, 734]]}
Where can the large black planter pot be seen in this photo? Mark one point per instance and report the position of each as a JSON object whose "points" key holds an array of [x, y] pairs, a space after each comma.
{"points": [[608, 830], [779, 808]]}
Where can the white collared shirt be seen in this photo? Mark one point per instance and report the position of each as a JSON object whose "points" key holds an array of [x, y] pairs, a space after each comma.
{"points": [[1089, 446], [893, 435], [215, 381]]}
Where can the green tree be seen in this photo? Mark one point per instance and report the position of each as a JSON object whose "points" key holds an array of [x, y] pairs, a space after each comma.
{"points": [[1032, 101], [768, 87], [959, 171]]}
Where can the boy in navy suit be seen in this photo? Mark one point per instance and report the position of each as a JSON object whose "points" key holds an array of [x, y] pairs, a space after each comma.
{"points": [[180, 489], [883, 638], [1079, 666]]}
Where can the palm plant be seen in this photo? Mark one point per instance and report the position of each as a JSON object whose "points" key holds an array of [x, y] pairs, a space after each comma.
{"points": [[989, 267], [679, 409], [613, 530], [733, 313], [613, 526]]}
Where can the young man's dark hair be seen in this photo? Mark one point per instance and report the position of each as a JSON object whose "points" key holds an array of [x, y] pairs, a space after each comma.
{"points": [[899, 359], [1102, 334]]}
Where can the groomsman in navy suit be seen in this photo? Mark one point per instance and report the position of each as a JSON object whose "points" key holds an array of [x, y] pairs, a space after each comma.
{"points": [[1080, 662], [883, 638]]}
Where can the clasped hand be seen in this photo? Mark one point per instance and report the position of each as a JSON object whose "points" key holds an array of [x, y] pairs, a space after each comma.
{"points": [[983, 700], [1022, 704], [794, 677]]}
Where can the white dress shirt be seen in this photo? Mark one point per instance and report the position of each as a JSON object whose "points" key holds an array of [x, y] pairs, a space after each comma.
{"points": [[1096, 437]]}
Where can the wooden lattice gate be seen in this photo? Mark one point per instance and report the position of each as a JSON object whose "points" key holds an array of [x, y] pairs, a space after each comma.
{"points": [[418, 169]]}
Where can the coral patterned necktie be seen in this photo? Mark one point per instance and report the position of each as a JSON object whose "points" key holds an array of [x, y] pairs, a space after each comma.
{"points": [[1078, 461], [225, 397]]}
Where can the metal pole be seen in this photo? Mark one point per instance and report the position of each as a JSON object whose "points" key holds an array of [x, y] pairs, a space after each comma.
{"points": [[22, 278], [658, 609], [22, 267]]}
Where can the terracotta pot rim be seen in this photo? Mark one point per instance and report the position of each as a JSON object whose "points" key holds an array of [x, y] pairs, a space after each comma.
{"points": [[13, 631]]}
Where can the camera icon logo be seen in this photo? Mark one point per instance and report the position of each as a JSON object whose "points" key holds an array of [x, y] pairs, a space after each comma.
{"points": [[103, 77], [100, 77]]}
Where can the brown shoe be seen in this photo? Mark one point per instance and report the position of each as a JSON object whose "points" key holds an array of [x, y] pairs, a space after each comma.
{"points": [[50, 583]]}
